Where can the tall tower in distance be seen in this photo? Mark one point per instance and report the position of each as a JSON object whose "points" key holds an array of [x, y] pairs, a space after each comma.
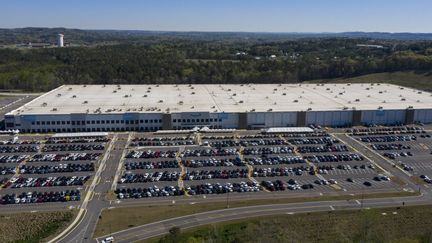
{"points": [[60, 42]]}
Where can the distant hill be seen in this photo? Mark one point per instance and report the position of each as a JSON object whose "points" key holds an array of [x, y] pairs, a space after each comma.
{"points": [[79, 36]]}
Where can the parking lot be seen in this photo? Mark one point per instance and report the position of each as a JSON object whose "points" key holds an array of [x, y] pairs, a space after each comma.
{"points": [[45, 169], [407, 147], [35, 169]]}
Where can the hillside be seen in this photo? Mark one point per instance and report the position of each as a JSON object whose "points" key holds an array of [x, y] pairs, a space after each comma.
{"points": [[418, 80]]}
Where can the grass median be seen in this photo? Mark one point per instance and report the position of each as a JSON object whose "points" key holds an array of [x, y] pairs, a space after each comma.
{"points": [[396, 224], [33, 227], [116, 219]]}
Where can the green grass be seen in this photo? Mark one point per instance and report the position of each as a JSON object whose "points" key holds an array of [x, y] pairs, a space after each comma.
{"points": [[418, 80], [32, 227], [407, 224], [117, 219]]}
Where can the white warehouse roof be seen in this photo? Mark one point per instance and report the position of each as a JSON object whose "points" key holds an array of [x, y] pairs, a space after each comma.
{"points": [[111, 99]]}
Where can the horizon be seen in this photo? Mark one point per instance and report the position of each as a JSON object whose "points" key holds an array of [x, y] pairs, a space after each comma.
{"points": [[253, 16]]}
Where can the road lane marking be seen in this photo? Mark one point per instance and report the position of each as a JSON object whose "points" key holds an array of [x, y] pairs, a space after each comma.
{"points": [[331, 207]]}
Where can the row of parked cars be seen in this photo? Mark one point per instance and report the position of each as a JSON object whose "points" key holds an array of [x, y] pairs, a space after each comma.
{"points": [[77, 140], [64, 157], [394, 155], [73, 147], [220, 143], [41, 197], [317, 134], [212, 162], [13, 158], [389, 138], [151, 165], [277, 160], [152, 191], [19, 142], [282, 171], [323, 140], [58, 168], [209, 152], [150, 177], [279, 185], [385, 130], [322, 149], [390, 146], [18, 149], [162, 141], [268, 150], [215, 174], [151, 154], [20, 182], [334, 157], [219, 188], [262, 142]]}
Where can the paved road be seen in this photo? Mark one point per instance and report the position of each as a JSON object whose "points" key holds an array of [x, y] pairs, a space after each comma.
{"points": [[84, 230], [159, 228]]}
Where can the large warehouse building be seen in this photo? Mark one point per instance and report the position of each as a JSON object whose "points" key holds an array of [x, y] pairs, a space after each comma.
{"points": [[79, 108]]}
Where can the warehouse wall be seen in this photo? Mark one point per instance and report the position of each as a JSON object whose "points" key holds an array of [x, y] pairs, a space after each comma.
{"points": [[329, 118], [271, 119], [423, 115], [383, 117]]}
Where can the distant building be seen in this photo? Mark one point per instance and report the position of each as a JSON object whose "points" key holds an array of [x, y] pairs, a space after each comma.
{"points": [[370, 46], [60, 42]]}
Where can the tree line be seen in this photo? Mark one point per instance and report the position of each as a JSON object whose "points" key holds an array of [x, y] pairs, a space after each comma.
{"points": [[208, 61]]}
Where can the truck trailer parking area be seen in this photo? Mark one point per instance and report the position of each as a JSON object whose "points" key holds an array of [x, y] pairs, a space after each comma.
{"points": [[52, 169]]}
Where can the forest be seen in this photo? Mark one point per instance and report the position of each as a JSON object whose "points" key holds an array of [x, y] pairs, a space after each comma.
{"points": [[165, 59]]}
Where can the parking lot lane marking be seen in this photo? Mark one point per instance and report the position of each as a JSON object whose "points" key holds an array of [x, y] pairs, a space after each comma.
{"points": [[370, 150], [358, 202], [120, 164], [331, 207]]}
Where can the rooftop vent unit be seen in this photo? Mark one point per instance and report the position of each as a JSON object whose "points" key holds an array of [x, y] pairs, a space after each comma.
{"points": [[180, 102], [403, 99], [410, 107], [357, 100], [284, 94], [270, 109], [345, 108], [253, 110], [380, 108], [241, 101], [125, 96], [228, 89], [309, 109], [73, 96], [192, 107], [295, 101], [193, 93], [54, 109], [44, 104], [85, 102], [58, 95], [234, 94], [160, 101], [70, 88], [384, 101], [328, 89], [114, 91], [418, 101], [419, 92], [380, 92], [274, 89], [144, 95]]}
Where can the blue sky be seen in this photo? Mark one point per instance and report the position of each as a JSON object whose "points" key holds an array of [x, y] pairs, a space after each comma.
{"points": [[222, 15]]}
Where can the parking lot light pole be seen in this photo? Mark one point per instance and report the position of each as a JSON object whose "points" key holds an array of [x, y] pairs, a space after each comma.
{"points": [[227, 201]]}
